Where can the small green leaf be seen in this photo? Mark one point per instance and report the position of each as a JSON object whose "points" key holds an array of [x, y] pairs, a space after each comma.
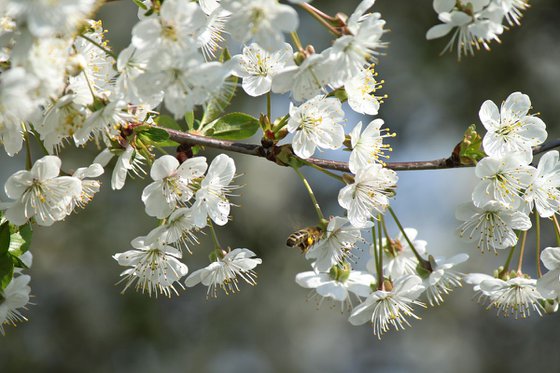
{"points": [[470, 149], [6, 270], [234, 126], [166, 121], [20, 240], [4, 237], [224, 56], [189, 118], [140, 4], [153, 134]]}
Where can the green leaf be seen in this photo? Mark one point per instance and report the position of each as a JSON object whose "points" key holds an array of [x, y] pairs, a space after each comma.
{"points": [[4, 237], [6, 270], [234, 126], [20, 240], [166, 121], [224, 56], [470, 149], [153, 134], [189, 118], [140, 4]]}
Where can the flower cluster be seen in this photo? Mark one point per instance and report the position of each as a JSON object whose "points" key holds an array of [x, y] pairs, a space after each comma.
{"points": [[509, 191], [474, 23]]}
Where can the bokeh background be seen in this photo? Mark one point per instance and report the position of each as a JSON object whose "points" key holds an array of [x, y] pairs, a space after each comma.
{"points": [[81, 323]]}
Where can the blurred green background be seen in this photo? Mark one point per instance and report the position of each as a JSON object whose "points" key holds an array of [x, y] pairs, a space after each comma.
{"points": [[81, 323]]}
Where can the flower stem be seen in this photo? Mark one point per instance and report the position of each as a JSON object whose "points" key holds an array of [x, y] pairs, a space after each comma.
{"points": [[325, 171], [381, 286], [28, 159], [379, 275], [107, 51], [423, 262], [311, 10], [268, 106], [297, 40], [538, 243], [521, 252], [508, 259], [214, 235], [556, 229], [311, 194]]}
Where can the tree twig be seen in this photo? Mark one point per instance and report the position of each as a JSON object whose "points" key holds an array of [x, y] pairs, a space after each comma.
{"points": [[260, 151]]}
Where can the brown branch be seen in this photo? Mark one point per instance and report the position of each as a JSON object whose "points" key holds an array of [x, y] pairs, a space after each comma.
{"points": [[268, 152]]}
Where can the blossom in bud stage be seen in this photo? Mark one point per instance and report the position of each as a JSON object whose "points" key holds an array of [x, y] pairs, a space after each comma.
{"points": [[490, 226], [155, 266], [128, 161], [543, 192], [13, 298], [351, 52], [398, 258], [361, 92], [337, 284], [172, 29], [504, 179], [257, 67], [367, 146], [516, 296], [369, 194], [212, 197], [89, 187], [335, 245], [549, 284], [261, 20], [443, 278], [306, 80], [173, 184], [510, 128], [225, 270], [103, 121], [179, 228], [384, 308], [316, 123], [40, 193], [47, 18], [476, 24]]}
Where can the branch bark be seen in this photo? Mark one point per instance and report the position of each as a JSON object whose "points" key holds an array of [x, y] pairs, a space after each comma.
{"points": [[265, 152]]}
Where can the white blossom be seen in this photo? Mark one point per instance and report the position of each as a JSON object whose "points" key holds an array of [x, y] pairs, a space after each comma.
{"points": [[367, 146], [384, 308], [225, 271], [89, 186], [212, 197], [257, 67], [369, 194], [335, 245], [549, 284], [103, 121], [316, 123], [490, 226], [264, 21], [173, 184], [337, 284], [40, 193], [503, 179], [361, 90], [13, 298], [180, 228], [543, 192], [155, 267], [128, 161], [510, 128], [443, 278]]}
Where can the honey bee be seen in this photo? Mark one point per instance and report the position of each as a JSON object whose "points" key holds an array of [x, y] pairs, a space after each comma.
{"points": [[304, 238]]}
